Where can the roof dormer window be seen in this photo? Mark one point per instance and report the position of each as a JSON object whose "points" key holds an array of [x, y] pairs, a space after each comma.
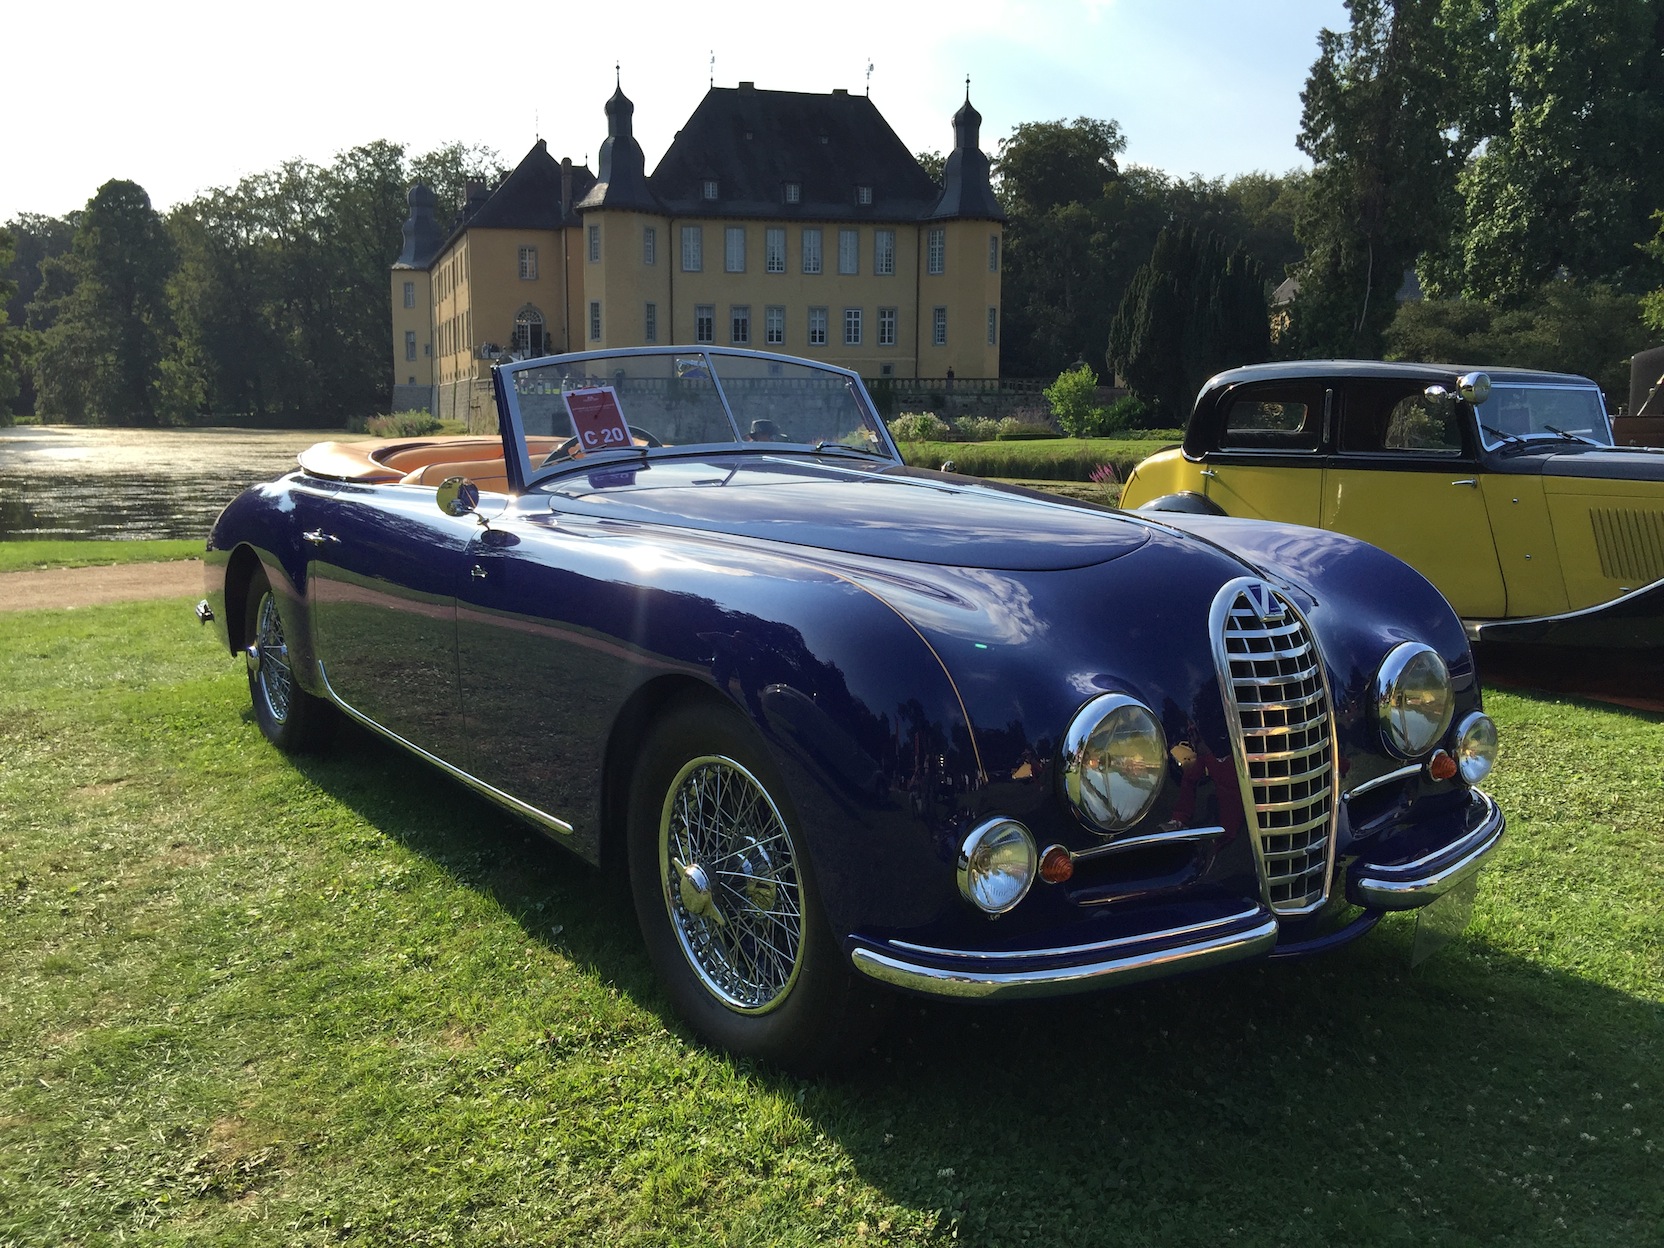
{"points": [[711, 188], [863, 195], [794, 192]]}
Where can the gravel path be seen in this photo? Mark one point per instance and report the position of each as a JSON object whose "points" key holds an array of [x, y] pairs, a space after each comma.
{"points": [[91, 587]]}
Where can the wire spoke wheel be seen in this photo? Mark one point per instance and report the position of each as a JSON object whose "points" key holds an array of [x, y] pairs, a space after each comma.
{"points": [[269, 659], [731, 884]]}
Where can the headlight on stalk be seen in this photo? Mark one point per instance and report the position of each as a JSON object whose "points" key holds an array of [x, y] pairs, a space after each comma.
{"points": [[1476, 747], [996, 865], [1114, 759], [1413, 700]]}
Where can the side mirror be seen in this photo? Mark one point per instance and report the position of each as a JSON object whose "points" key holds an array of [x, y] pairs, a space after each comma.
{"points": [[458, 496], [1474, 388]]}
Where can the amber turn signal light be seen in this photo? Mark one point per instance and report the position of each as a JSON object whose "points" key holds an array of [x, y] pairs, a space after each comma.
{"points": [[1441, 766], [1056, 865]]}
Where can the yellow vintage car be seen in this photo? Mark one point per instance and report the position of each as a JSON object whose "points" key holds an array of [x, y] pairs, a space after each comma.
{"points": [[1501, 486]]}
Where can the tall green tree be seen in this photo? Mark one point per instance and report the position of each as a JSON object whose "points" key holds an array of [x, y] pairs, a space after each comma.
{"points": [[1564, 109], [1375, 121], [1054, 178], [37, 239], [11, 333], [1194, 309], [106, 301]]}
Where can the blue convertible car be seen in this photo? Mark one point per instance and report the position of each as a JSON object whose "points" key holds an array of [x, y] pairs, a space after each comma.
{"points": [[852, 726]]}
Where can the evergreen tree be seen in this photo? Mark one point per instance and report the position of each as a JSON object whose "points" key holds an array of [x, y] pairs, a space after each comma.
{"points": [[106, 301], [1193, 310], [11, 334]]}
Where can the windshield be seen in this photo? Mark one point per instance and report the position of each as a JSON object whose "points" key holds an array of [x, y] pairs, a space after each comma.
{"points": [[1517, 411], [569, 409]]}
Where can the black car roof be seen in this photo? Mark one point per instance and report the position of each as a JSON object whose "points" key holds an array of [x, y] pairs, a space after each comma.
{"points": [[1292, 369]]}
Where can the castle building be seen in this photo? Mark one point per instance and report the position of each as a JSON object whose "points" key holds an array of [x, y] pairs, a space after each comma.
{"points": [[778, 220]]}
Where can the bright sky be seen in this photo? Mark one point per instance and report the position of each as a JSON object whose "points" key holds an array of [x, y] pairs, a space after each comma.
{"points": [[185, 95]]}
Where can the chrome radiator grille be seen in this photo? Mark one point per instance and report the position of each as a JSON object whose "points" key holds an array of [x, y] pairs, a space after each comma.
{"points": [[1283, 735]]}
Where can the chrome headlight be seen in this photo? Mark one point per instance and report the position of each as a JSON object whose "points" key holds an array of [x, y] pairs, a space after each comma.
{"points": [[1114, 760], [1476, 747], [1413, 699], [996, 865]]}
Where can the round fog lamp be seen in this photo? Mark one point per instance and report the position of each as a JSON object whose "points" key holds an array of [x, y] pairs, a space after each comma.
{"points": [[1476, 747], [996, 865], [1413, 699]]}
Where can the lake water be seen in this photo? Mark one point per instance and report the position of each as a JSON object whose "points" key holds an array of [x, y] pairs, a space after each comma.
{"points": [[59, 482]]}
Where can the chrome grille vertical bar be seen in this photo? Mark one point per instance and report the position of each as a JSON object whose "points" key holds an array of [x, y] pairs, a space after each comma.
{"points": [[1283, 737]]}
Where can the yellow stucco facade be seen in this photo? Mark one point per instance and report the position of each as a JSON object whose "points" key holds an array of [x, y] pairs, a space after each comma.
{"points": [[876, 283]]}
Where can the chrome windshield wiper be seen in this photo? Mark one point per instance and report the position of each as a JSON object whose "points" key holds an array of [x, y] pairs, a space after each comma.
{"points": [[1572, 437], [843, 448]]}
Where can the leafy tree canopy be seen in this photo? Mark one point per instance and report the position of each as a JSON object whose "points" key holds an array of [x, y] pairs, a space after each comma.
{"points": [[1046, 165], [1563, 327], [1374, 122], [1563, 106]]}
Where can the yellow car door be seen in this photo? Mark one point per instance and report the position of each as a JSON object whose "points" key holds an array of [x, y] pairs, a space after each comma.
{"points": [[1404, 478], [1265, 462]]}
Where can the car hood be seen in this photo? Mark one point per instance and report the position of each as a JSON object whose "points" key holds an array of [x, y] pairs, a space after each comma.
{"points": [[1600, 463], [885, 513]]}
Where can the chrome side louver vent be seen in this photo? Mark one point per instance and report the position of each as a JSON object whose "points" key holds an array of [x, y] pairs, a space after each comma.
{"points": [[1282, 732], [1630, 543]]}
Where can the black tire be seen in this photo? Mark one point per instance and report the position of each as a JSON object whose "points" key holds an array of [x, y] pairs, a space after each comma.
{"points": [[726, 900], [290, 718]]}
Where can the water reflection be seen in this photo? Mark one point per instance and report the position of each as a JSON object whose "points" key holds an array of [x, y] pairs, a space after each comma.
{"points": [[59, 482]]}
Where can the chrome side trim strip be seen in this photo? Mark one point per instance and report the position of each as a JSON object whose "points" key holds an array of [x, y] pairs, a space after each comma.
{"points": [[1418, 883], [1403, 773], [1178, 836], [540, 817], [1248, 934]]}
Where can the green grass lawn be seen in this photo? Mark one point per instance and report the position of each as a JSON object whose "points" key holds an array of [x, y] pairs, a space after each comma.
{"points": [[245, 1000], [24, 556]]}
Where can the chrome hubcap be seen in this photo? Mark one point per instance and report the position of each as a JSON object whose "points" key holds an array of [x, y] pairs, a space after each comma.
{"points": [[731, 884]]}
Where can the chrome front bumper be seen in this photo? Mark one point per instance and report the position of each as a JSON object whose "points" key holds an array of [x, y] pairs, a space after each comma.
{"points": [[1077, 968], [1409, 885], [1247, 933]]}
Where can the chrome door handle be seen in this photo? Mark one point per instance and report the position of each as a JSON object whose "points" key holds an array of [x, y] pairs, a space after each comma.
{"points": [[1467, 481], [319, 538], [1209, 472], [477, 572]]}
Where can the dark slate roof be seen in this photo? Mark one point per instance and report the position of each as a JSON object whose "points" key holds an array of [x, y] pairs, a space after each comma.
{"points": [[966, 189], [422, 232], [754, 142], [622, 182], [529, 198]]}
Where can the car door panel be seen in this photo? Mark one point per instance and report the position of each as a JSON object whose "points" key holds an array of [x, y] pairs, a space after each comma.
{"points": [[1529, 550], [1434, 520], [383, 573]]}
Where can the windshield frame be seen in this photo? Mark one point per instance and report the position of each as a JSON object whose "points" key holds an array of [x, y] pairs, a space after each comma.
{"points": [[526, 475], [1541, 438]]}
